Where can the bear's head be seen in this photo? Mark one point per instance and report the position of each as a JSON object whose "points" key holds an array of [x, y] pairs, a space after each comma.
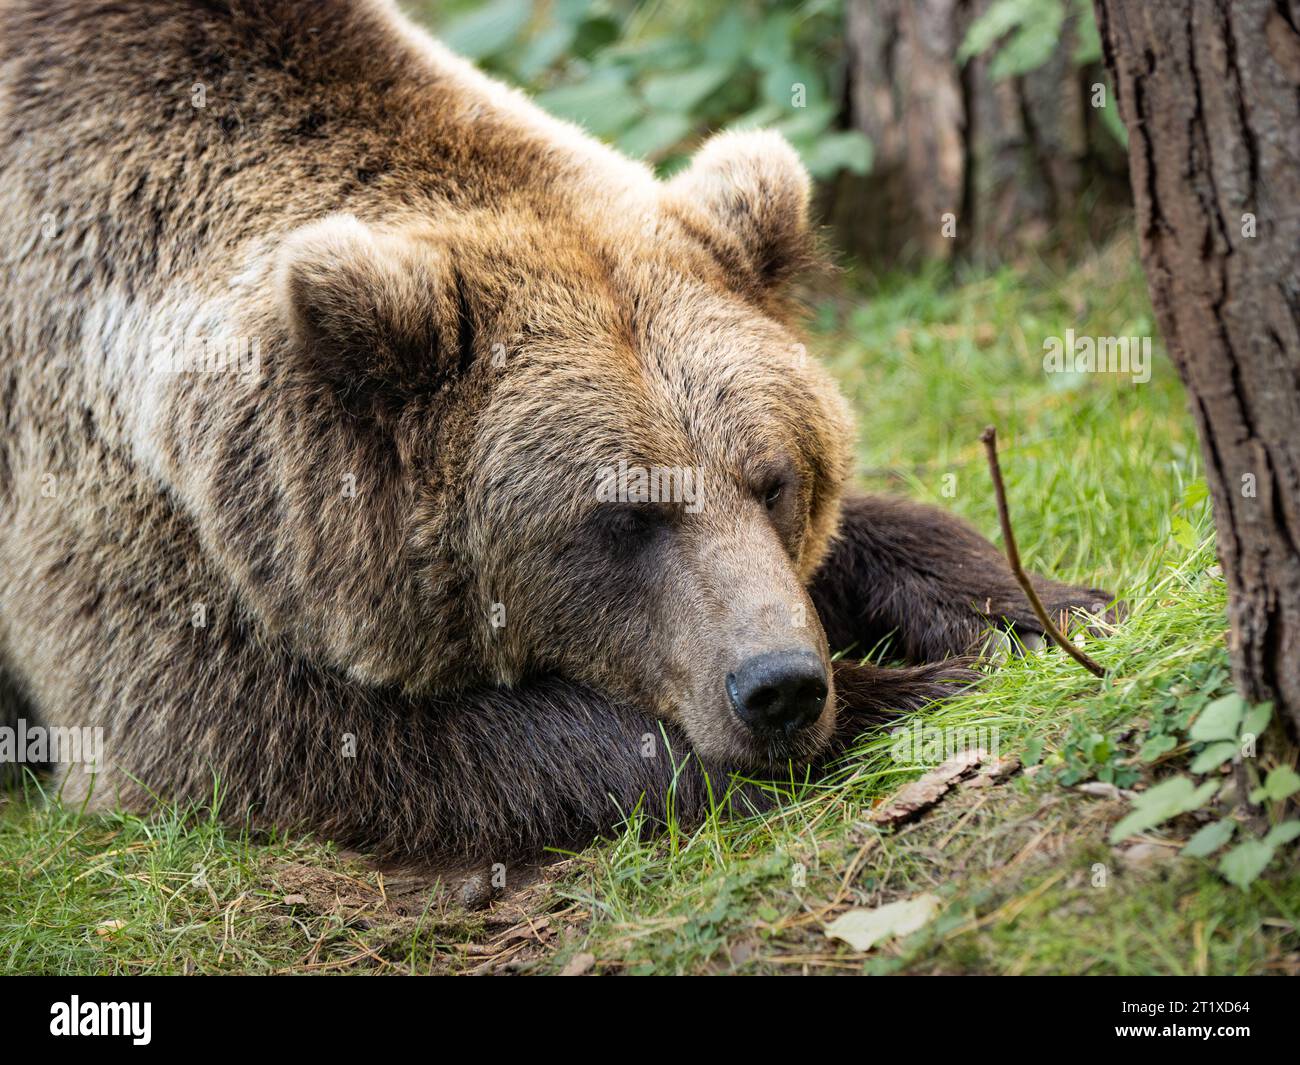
{"points": [[616, 452]]}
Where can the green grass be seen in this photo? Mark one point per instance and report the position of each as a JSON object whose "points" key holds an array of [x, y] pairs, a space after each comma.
{"points": [[1098, 470], [182, 893]]}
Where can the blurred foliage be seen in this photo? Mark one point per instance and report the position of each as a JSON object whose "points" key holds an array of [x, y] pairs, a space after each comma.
{"points": [[654, 78], [1022, 35]]}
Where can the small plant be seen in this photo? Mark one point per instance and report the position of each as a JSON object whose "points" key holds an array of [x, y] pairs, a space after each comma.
{"points": [[1091, 755], [1226, 730], [1182, 529]]}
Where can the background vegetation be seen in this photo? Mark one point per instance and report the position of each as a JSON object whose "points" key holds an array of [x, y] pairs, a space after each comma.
{"points": [[654, 77], [651, 78]]}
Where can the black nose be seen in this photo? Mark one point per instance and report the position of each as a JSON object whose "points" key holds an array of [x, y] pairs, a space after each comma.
{"points": [[781, 691]]}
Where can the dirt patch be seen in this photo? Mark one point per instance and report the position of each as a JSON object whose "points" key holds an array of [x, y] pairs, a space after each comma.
{"points": [[487, 920]]}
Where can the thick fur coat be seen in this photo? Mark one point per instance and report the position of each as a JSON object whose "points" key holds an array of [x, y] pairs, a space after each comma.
{"points": [[314, 344]]}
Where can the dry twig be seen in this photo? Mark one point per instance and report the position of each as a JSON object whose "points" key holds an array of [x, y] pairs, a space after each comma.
{"points": [[990, 438]]}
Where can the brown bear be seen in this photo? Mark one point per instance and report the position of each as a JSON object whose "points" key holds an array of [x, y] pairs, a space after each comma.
{"points": [[399, 460]]}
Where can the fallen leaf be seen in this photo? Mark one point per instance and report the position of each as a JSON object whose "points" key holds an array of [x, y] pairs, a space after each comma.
{"points": [[295, 900], [996, 772], [537, 930], [109, 927], [579, 965], [740, 953], [921, 794], [1102, 789], [1144, 853], [863, 929]]}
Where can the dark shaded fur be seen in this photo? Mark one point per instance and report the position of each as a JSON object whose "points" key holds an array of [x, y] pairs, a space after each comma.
{"points": [[925, 579]]}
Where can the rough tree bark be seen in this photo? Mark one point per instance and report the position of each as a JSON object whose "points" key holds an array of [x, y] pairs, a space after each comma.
{"points": [[1008, 159], [1210, 93]]}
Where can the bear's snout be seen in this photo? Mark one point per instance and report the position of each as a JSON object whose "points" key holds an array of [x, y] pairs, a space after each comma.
{"points": [[780, 692]]}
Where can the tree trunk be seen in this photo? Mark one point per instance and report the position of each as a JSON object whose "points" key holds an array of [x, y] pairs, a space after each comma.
{"points": [[906, 96], [1210, 93], [1007, 161]]}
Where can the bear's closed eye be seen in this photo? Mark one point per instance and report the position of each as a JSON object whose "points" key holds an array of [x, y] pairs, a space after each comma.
{"points": [[627, 526]]}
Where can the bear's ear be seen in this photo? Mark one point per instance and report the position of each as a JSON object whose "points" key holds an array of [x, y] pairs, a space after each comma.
{"points": [[374, 314], [746, 196]]}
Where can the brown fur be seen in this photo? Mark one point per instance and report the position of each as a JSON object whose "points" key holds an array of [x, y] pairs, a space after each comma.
{"points": [[465, 309]]}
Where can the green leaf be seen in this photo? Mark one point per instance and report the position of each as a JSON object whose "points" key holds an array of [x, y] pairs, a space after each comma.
{"points": [[1219, 720], [1183, 533], [593, 35], [1033, 751], [542, 51], [1110, 118], [1209, 839], [1282, 783], [1197, 491], [1155, 746], [1031, 45], [1243, 864], [1000, 18], [1283, 833], [843, 150], [654, 135], [775, 40], [571, 11], [1257, 719], [1030, 32], [487, 30], [763, 115], [805, 124], [780, 81], [1158, 804], [604, 105], [1213, 756], [682, 91], [728, 39], [1088, 48]]}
